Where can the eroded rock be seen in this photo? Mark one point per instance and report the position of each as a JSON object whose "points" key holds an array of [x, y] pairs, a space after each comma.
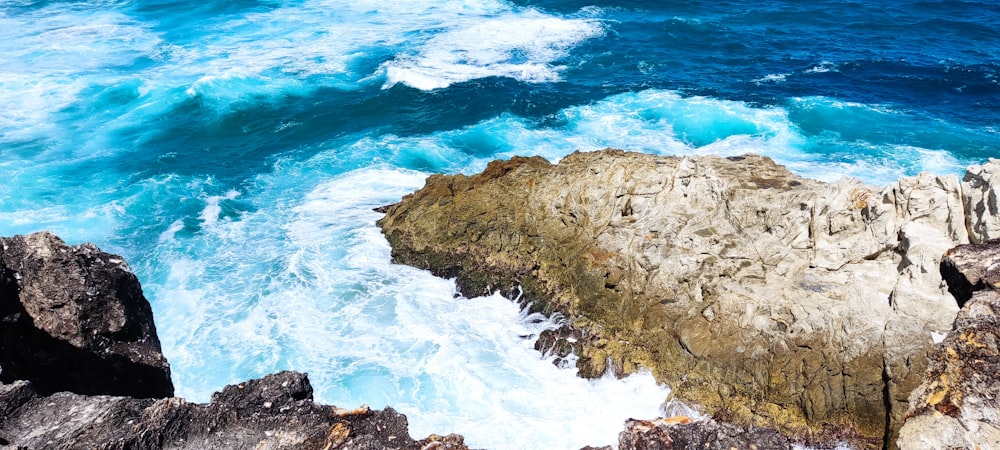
{"points": [[274, 412], [74, 319], [765, 298], [958, 403], [680, 433]]}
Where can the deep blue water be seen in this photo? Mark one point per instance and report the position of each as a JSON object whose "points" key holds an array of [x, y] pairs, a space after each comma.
{"points": [[232, 152]]}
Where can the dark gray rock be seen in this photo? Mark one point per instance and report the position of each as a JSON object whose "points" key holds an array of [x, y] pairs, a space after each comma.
{"points": [[73, 318], [273, 412]]}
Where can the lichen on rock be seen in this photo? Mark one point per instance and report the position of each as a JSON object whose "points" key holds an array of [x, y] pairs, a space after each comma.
{"points": [[763, 297]]}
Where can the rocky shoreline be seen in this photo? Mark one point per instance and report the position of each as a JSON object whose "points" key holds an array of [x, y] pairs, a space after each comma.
{"points": [[790, 311], [81, 368], [762, 297]]}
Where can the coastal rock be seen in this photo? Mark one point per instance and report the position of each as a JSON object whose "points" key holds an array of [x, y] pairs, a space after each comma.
{"points": [[680, 433], [958, 403], [74, 319], [982, 201], [762, 297], [274, 412], [82, 368]]}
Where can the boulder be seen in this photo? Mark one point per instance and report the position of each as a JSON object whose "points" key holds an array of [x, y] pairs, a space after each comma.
{"points": [[274, 412], [958, 403], [74, 319], [764, 298]]}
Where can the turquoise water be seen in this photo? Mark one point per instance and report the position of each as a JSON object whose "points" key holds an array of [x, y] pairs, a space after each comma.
{"points": [[232, 152]]}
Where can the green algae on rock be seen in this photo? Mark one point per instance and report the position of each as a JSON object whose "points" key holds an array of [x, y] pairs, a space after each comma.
{"points": [[763, 297]]}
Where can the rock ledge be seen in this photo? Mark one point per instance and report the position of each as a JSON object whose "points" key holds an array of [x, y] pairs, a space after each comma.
{"points": [[766, 298]]}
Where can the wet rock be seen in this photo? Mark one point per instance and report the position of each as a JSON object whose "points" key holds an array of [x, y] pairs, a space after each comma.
{"points": [[958, 403], [73, 318], [761, 296], [274, 412]]}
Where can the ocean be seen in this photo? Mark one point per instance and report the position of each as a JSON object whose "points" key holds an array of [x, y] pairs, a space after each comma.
{"points": [[233, 151]]}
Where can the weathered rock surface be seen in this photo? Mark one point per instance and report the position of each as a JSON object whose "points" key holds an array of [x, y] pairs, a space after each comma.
{"points": [[275, 412], [75, 319], [680, 433], [958, 403], [766, 298]]}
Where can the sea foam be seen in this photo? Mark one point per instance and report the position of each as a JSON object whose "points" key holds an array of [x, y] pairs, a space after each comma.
{"points": [[523, 46], [326, 300]]}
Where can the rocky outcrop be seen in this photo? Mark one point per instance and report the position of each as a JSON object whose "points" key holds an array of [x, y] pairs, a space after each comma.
{"points": [[275, 412], [958, 403], [763, 297], [74, 319]]}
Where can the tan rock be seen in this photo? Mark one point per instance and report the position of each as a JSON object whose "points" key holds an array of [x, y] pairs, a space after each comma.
{"points": [[958, 403], [982, 183], [761, 296]]}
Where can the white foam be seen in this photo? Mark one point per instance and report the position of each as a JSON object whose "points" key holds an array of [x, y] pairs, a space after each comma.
{"points": [[666, 123], [523, 46], [771, 78], [823, 67], [654, 121], [316, 292], [57, 52], [210, 214], [171, 231]]}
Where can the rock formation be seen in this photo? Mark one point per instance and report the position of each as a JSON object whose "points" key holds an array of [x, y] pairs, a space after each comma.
{"points": [[81, 368], [958, 403], [74, 319], [275, 412], [763, 297]]}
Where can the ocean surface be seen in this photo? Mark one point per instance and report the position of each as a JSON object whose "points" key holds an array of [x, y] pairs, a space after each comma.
{"points": [[233, 150]]}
